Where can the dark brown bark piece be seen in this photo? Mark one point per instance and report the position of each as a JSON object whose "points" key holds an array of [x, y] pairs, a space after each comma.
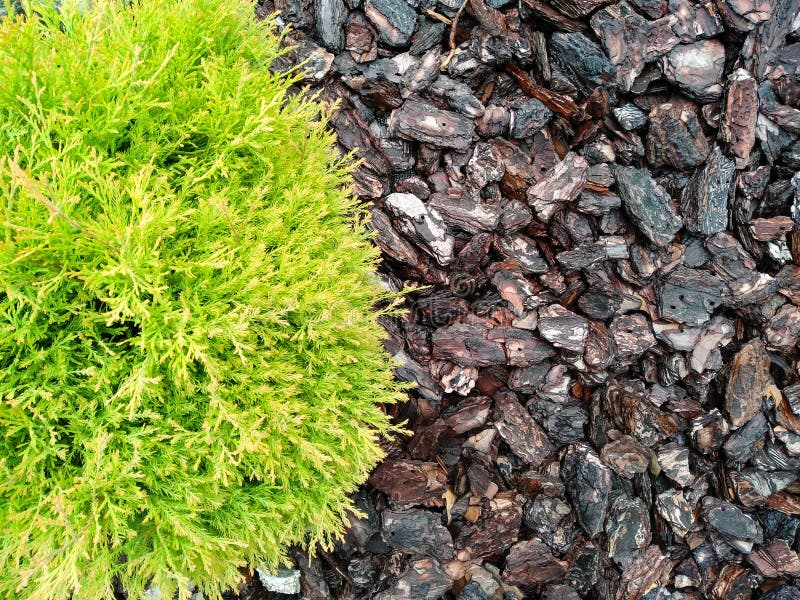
{"points": [[577, 8], [519, 174], [689, 295], [627, 456], [677, 511], [392, 243], [470, 414], [697, 69], [753, 487], [632, 335], [513, 288], [467, 345], [772, 228], [583, 62], [709, 431], [417, 532], [466, 212], [588, 483], [737, 268], [675, 138], [372, 177], [485, 165], [652, 9], [562, 184], [695, 21], [424, 579], [783, 329], [458, 95], [744, 15], [523, 250], [542, 10], [704, 201], [627, 528], [419, 121], [423, 225], [558, 103], [737, 528], [764, 42], [563, 328], [626, 402], [360, 38], [395, 20], [522, 434], [648, 204], [587, 254], [624, 35], [674, 462], [596, 204], [479, 346], [747, 440], [528, 116]]}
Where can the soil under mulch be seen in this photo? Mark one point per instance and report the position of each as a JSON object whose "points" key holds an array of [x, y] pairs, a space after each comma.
{"points": [[602, 201]]}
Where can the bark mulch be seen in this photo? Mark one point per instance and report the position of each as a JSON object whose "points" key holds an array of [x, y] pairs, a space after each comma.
{"points": [[596, 206]]}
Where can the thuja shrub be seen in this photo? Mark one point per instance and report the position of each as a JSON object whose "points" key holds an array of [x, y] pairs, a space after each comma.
{"points": [[191, 372]]}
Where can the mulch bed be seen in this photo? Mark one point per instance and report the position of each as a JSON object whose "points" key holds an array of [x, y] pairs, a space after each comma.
{"points": [[596, 206]]}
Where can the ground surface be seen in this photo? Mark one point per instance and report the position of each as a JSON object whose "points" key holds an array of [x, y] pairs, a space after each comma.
{"points": [[603, 201]]}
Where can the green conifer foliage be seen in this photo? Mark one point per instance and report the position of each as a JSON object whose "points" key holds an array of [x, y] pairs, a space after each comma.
{"points": [[191, 373]]}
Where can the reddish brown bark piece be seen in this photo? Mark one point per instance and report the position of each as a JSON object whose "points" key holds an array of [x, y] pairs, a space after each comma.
{"points": [[749, 383], [496, 530], [410, 482], [531, 562], [360, 38], [577, 8], [648, 569], [627, 456], [559, 104], [471, 414], [738, 126], [776, 559], [626, 402], [786, 503], [552, 17], [491, 19], [769, 229]]}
